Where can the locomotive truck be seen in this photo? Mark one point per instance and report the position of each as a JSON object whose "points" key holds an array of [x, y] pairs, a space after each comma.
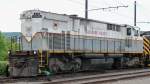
{"points": [[64, 43]]}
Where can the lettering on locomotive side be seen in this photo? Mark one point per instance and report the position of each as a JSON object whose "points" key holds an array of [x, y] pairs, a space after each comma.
{"points": [[97, 33]]}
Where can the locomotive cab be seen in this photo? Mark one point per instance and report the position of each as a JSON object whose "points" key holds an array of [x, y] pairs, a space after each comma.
{"points": [[134, 43], [133, 31]]}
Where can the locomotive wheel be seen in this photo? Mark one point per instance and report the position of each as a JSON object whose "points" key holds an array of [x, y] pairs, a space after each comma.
{"points": [[55, 68], [77, 64], [54, 65], [117, 63]]}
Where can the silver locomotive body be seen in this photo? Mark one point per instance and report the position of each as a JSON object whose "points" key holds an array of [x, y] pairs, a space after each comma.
{"points": [[57, 32]]}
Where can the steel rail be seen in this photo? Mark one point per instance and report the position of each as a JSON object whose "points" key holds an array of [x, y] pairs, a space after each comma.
{"points": [[102, 77]]}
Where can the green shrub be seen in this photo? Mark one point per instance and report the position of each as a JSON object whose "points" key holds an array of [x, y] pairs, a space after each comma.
{"points": [[3, 65]]}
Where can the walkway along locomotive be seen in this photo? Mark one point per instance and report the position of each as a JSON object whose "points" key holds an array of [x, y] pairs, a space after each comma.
{"points": [[63, 43]]}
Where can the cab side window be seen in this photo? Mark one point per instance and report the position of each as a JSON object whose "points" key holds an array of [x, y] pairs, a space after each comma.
{"points": [[129, 31]]}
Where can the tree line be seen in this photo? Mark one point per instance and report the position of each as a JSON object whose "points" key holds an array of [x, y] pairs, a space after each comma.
{"points": [[5, 45]]}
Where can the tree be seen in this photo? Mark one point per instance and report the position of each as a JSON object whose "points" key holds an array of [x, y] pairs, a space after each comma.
{"points": [[3, 47]]}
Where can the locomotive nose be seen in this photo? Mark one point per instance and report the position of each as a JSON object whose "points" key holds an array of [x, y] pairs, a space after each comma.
{"points": [[31, 23]]}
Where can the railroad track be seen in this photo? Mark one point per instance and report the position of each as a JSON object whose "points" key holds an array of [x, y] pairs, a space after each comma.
{"points": [[81, 78], [101, 78]]}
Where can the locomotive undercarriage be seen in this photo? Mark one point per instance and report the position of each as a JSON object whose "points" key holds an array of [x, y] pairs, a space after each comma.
{"points": [[61, 63], [31, 63]]}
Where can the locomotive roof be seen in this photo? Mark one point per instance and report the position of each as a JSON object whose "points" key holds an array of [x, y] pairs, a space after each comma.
{"points": [[95, 20], [74, 16]]}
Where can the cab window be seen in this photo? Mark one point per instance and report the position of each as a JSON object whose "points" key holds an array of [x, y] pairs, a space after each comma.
{"points": [[129, 31]]}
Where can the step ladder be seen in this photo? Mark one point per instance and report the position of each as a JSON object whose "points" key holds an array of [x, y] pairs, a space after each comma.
{"points": [[42, 60]]}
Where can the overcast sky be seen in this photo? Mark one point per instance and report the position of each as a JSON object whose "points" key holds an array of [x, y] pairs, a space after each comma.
{"points": [[11, 9]]}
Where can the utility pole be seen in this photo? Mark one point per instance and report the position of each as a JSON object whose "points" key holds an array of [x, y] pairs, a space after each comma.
{"points": [[134, 13], [86, 9]]}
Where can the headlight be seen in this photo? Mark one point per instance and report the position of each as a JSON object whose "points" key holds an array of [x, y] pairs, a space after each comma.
{"points": [[34, 52], [8, 52]]}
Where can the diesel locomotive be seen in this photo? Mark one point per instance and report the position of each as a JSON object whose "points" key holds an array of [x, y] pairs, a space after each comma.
{"points": [[63, 43]]}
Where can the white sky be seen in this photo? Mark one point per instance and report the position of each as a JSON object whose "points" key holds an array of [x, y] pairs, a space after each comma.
{"points": [[11, 9]]}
